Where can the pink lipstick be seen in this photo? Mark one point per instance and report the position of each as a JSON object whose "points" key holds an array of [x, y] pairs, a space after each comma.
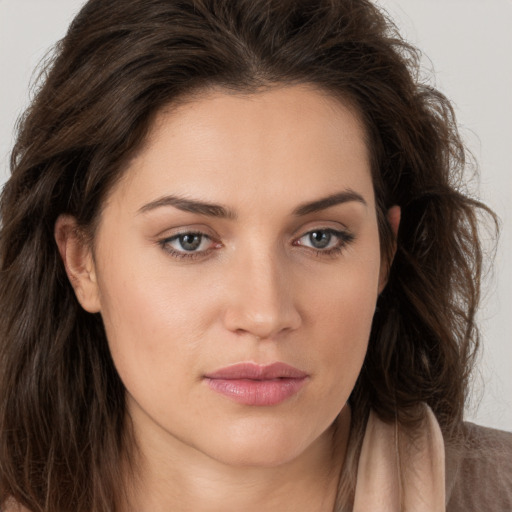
{"points": [[252, 384]]}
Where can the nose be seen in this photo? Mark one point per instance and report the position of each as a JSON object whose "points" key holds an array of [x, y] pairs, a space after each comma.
{"points": [[261, 299]]}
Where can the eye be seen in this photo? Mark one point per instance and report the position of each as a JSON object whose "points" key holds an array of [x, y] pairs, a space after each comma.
{"points": [[189, 241], [325, 241], [320, 239], [188, 244]]}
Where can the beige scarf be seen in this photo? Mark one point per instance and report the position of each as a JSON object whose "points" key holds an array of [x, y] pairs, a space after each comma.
{"points": [[399, 472]]}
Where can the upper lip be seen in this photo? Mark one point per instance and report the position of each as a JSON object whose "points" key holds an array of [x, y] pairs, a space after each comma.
{"points": [[255, 371]]}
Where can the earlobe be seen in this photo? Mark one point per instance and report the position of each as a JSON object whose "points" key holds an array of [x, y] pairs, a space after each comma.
{"points": [[78, 261], [393, 217]]}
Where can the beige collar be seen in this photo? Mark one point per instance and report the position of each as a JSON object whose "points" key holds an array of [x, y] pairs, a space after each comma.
{"points": [[401, 470]]}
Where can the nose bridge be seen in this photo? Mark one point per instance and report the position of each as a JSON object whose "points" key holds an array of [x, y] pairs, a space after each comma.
{"points": [[262, 301]]}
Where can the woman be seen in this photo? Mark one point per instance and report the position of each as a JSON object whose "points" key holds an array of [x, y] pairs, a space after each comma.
{"points": [[239, 271]]}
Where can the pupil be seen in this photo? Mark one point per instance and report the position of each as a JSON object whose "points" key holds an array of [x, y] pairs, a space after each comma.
{"points": [[320, 239], [190, 242]]}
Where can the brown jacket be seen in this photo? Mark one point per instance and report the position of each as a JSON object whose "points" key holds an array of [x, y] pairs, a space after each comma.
{"points": [[479, 474]]}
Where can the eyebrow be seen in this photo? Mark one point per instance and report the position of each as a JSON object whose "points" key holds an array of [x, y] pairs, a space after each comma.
{"points": [[192, 206], [345, 196], [217, 210]]}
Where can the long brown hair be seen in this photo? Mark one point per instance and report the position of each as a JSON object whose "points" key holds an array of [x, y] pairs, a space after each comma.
{"points": [[63, 425]]}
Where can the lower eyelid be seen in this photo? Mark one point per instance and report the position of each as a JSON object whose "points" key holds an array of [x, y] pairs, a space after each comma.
{"points": [[165, 244], [343, 239]]}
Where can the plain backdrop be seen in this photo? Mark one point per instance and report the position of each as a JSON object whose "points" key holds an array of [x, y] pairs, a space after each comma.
{"points": [[467, 46]]}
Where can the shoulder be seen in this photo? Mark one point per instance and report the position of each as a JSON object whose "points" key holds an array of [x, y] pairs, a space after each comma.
{"points": [[479, 471]]}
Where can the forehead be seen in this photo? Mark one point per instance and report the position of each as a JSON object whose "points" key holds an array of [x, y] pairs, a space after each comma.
{"points": [[295, 140]]}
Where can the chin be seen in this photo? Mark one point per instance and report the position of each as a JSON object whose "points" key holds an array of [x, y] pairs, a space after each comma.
{"points": [[266, 446], [258, 456]]}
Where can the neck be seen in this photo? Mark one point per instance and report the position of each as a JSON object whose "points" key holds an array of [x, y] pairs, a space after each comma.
{"points": [[185, 479]]}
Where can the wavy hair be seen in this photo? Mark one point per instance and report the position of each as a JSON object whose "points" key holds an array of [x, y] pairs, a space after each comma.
{"points": [[64, 433]]}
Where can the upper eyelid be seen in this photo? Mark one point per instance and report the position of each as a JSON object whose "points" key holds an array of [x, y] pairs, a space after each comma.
{"points": [[171, 238], [335, 231], [186, 232], [170, 233], [343, 236], [195, 255], [299, 233], [321, 225], [165, 244]]}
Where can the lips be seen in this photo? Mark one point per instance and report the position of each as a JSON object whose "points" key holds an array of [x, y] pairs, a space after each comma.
{"points": [[256, 385]]}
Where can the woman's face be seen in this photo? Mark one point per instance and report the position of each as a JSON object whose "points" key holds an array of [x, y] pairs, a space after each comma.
{"points": [[236, 268]]}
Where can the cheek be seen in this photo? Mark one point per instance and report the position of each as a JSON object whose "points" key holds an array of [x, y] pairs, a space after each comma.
{"points": [[341, 314], [154, 340], [144, 317], [151, 324], [344, 300]]}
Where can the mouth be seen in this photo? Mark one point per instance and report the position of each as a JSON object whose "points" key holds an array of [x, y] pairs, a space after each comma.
{"points": [[256, 385]]}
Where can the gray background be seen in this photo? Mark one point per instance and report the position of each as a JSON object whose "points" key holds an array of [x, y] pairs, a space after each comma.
{"points": [[468, 44]]}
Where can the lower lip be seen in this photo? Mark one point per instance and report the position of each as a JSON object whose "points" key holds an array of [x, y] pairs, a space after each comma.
{"points": [[257, 392]]}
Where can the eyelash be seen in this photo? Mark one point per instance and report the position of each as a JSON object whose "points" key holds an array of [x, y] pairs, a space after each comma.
{"points": [[344, 239], [184, 255]]}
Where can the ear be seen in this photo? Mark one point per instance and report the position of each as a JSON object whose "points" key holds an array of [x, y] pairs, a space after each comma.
{"points": [[393, 218], [78, 261]]}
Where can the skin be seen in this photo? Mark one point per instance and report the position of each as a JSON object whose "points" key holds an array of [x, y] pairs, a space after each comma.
{"points": [[255, 290]]}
